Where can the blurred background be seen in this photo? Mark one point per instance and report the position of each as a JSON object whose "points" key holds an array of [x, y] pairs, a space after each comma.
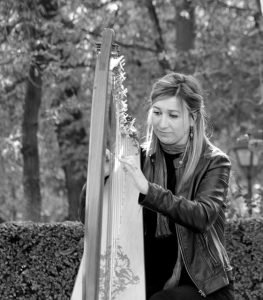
{"points": [[47, 66]]}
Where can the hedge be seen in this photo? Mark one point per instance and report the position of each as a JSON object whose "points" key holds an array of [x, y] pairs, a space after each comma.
{"points": [[245, 248], [40, 261]]}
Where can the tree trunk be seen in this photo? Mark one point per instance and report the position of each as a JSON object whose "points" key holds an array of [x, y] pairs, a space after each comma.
{"points": [[74, 187], [185, 34], [30, 146], [185, 26], [72, 137]]}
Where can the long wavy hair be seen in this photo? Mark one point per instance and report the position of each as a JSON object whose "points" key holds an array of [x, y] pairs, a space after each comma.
{"points": [[189, 92]]}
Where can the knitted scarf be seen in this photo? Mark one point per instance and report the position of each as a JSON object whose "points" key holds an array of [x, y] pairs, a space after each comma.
{"points": [[160, 178]]}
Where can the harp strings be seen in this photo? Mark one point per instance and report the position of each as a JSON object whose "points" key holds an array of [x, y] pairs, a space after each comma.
{"points": [[118, 178], [121, 133]]}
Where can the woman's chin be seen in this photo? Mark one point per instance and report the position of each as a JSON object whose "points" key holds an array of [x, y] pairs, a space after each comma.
{"points": [[167, 141]]}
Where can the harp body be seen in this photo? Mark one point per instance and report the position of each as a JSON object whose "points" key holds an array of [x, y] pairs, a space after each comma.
{"points": [[117, 257]]}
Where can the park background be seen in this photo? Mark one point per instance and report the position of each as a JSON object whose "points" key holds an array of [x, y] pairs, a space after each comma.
{"points": [[47, 63]]}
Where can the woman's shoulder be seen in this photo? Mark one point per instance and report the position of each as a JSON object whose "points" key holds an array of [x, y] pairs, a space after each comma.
{"points": [[212, 152]]}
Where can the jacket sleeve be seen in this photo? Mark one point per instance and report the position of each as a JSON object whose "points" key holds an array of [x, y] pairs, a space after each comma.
{"points": [[200, 213]]}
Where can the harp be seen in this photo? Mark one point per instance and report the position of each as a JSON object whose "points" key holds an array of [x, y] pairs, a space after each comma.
{"points": [[112, 266]]}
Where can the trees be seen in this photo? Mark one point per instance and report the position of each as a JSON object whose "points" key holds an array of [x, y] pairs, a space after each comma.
{"points": [[219, 41]]}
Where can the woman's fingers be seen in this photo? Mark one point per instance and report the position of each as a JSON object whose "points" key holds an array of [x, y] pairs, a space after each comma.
{"points": [[129, 163]]}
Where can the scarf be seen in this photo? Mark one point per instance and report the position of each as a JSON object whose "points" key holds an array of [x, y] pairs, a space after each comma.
{"points": [[162, 228], [160, 178]]}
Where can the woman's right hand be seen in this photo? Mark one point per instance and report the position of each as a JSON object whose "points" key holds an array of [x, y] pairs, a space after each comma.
{"points": [[130, 166]]}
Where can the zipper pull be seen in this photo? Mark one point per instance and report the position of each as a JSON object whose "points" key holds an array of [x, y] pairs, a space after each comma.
{"points": [[202, 293]]}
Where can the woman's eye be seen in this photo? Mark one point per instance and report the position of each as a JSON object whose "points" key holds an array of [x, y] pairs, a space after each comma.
{"points": [[157, 113], [173, 116]]}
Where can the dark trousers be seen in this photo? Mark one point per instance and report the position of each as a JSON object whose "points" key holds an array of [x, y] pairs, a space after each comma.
{"points": [[160, 257], [190, 292]]}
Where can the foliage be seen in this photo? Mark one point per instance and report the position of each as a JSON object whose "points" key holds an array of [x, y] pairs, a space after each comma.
{"points": [[40, 261], [37, 261], [245, 247], [227, 57]]}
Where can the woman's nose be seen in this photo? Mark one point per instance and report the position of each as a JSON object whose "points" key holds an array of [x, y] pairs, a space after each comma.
{"points": [[163, 122]]}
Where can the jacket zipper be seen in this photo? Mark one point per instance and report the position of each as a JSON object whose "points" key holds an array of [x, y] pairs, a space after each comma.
{"points": [[199, 290], [215, 262], [222, 222], [202, 293]]}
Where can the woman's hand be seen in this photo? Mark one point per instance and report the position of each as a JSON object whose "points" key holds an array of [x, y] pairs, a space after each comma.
{"points": [[130, 166]]}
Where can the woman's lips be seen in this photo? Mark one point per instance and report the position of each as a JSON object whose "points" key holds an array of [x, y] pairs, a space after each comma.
{"points": [[163, 132]]}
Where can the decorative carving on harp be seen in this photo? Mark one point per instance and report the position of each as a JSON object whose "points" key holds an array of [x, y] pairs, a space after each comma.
{"points": [[112, 266]]}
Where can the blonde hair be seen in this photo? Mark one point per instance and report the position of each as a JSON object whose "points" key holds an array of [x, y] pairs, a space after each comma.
{"points": [[188, 91]]}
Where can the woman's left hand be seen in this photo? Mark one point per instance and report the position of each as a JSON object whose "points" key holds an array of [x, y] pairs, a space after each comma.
{"points": [[131, 167]]}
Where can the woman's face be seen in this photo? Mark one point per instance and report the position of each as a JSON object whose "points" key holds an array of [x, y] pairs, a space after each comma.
{"points": [[170, 123]]}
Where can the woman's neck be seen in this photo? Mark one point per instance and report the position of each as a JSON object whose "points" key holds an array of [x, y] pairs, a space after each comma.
{"points": [[173, 148]]}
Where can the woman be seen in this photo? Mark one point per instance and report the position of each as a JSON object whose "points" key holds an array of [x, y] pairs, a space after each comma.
{"points": [[183, 187]]}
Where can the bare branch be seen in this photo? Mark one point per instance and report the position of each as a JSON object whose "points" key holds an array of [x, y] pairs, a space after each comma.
{"points": [[137, 46], [95, 6], [234, 7], [124, 45]]}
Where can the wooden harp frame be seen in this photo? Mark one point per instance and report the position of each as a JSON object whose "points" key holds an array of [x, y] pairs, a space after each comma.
{"points": [[95, 173]]}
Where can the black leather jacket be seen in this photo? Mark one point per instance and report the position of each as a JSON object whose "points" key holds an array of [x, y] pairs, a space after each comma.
{"points": [[199, 219]]}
